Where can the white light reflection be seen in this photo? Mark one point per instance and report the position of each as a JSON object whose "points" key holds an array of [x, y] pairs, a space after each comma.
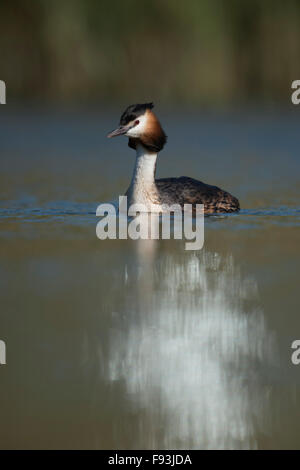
{"points": [[192, 351]]}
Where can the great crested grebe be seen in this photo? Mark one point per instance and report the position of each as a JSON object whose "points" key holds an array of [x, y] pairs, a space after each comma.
{"points": [[147, 137]]}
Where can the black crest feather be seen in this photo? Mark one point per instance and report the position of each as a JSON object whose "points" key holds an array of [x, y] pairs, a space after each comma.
{"points": [[133, 111]]}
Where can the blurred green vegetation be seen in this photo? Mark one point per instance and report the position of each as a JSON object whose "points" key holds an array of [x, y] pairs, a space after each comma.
{"points": [[193, 51]]}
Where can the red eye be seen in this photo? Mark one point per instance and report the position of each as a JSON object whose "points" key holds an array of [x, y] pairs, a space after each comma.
{"points": [[136, 122]]}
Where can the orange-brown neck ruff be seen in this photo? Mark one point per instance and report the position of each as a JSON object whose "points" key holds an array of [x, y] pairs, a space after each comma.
{"points": [[153, 138]]}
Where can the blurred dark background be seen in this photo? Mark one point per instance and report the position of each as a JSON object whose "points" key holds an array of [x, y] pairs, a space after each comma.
{"points": [[195, 52]]}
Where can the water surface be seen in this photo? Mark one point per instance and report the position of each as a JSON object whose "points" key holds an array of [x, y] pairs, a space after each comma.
{"points": [[126, 344]]}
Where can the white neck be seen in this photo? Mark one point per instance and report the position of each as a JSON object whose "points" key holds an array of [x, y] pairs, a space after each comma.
{"points": [[142, 188], [144, 168]]}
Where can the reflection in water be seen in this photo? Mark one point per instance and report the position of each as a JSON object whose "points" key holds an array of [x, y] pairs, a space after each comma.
{"points": [[173, 350], [191, 347]]}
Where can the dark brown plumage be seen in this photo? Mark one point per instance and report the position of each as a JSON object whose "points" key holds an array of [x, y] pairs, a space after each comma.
{"points": [[185, 190]]}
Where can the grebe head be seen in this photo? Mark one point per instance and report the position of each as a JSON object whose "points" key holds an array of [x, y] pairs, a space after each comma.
{"points": [[141, 125]]}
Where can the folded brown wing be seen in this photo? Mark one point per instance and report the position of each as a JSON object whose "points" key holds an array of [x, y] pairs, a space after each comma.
{"points": [[185, 190]]}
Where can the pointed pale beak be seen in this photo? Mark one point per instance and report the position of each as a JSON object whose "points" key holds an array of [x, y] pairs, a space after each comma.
{"points": [[121, 130]]}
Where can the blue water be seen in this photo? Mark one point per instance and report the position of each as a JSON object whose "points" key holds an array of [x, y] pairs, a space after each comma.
{"points": [[129, 344]]}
